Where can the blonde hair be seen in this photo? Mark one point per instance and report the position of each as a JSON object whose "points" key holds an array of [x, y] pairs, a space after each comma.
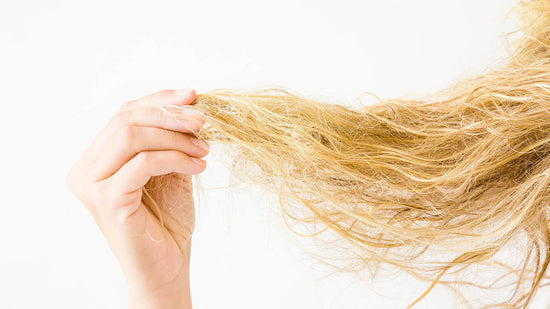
{"points": [[464, 171]]}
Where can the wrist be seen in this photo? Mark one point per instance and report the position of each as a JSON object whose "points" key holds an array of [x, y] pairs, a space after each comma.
{"points": [[175, 294]]}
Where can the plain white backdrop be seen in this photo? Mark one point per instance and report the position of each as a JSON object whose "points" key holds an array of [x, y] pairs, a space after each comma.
{"points": [[66, 66]]}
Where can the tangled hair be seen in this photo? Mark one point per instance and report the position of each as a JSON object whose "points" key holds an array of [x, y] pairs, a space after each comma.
{"points": [[432, 186]]}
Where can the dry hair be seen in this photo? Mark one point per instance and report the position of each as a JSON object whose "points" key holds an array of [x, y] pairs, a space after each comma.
{"points": [[432, 186]]}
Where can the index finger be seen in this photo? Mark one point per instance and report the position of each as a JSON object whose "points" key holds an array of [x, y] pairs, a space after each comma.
{"points": [[184, 96], [181, 97]]}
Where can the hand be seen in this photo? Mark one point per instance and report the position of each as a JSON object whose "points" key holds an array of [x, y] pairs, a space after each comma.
{"points": [[143, 147]]}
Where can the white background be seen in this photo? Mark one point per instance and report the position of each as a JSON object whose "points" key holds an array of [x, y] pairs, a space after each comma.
{"points": [[65, 66]]}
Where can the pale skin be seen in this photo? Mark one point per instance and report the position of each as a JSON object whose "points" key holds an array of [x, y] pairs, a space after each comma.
{"points": [[143, 147]]}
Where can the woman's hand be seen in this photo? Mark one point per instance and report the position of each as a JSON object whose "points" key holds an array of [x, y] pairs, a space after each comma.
{"points": [[144, 147]]}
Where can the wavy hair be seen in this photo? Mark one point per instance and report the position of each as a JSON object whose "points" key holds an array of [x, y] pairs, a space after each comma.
{"points": [[432, 186]]}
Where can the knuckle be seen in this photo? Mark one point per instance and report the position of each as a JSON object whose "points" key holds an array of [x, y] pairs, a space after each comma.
{"points": [[126, 105], [143, 159], [84, 192], [127, 134], [74, 181], [121, 118], [159, 114]]}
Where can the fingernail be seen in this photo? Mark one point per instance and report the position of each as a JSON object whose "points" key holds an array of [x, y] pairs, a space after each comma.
{"points": [[198, 161], [184, 92], [192, 124], [200, 143]]}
